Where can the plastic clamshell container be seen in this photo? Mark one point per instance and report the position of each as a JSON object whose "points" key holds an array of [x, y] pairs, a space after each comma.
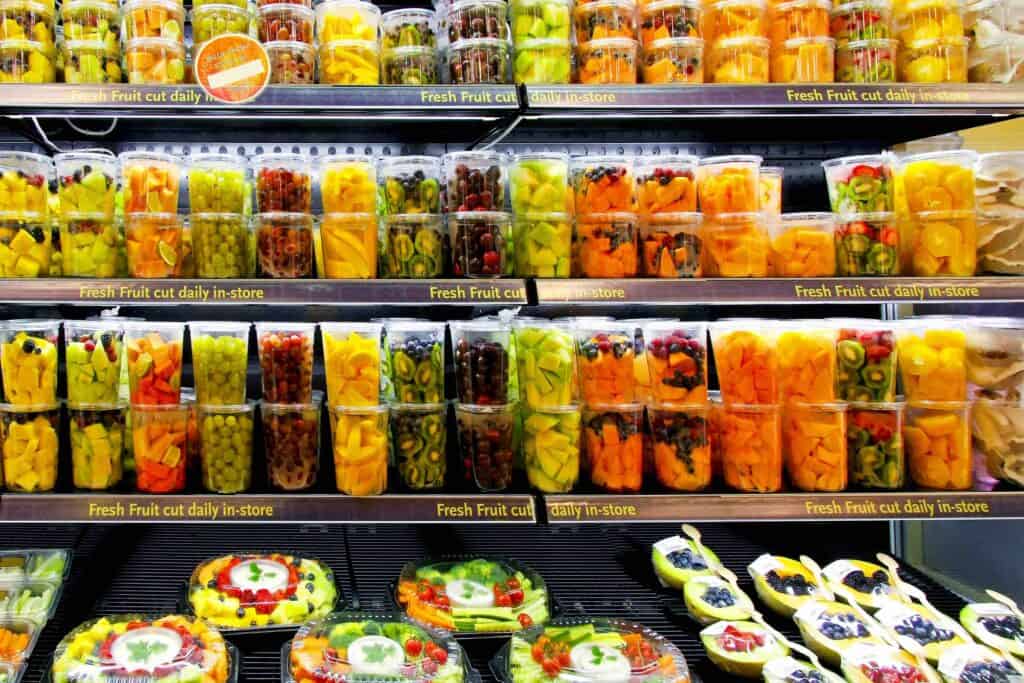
{"points": [[473, 582], [35, 564], [954, 663], [619, 642], [179, 645], [369, 637], [870, 584], [19, 636], [223, 587], [33, 601]]}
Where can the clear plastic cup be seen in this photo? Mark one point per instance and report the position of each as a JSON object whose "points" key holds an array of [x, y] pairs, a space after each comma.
{"points": [[938, 441], [410, 184], [675, 361], [613, 446], [807, 361], [291, 63], [416, 360], [349, 245], [160, 445], [212, 20], [218, 183], [860, 184], [666, 185], [805, 60], [348, 184], [933, 359], [154, 19], [481, 241], [26, 246], [936, 181], [419, 436], [737, 245], [413, 65], [285, 22], [284, 244], [283, 182], [607, 61], [155, 61], [673, 60], [730, 19], [220, 360], [751, 442], [150, 181], [867, 244], [602, 19], [155, 244], [539, 184], [798, 19], [681, 447], [27, 61], [222, 245], [729, 184], [543, 244], [543, 61], [605, 246], [29, 446], [225, 446], [875, 444], [93, 356], [413, 246], [602, 184], [92, 245], [943, 243], [24, 181], [738, 60], [604, 360], [481, 351], [746, 360], [862, 21], [350, 62], [352, 363], [803, 245], [671, 245], [475, 181], [347, 20], [540, 20], [97, 436], [291, 438], [28, 359], [915, 22], [409, 27], [359, 437], [814, 446], [866, 357], [666, 19], [286, 361], [934, 61], [547, 363], [92, 20], [86, 182], [551, 447], [487, 443], [867, 61], [474, 19], [769, 181], [154, 362]]}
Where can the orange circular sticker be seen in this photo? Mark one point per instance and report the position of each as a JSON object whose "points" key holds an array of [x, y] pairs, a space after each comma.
{"points": [[232, 68]]}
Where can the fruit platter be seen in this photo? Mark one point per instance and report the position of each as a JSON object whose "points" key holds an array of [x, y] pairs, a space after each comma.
{"points": [[373, 646], [473, 595], [144, 649], [50, 565], [591, 650], [260, 590]]}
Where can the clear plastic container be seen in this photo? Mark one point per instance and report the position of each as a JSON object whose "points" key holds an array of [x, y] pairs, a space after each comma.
{"points": [[32, 565], [481, 351], [669, 19], [24, 185], [222, 245], [150, 182], [31, 603], [769, 182], [936, 181], [359, 438], [154, 362], [934, 62], [729, 184], [481, 243], [349, 62], [613, 446], [410, 184], [212, 20], [603, 185], [475, 181], [807, 361], [547, 363], [860, 21], [27, 61], [160, 446], [286, 361], [867, 244], [347, 20], [933, 359], [225, 446], [917, 21], [285, 22], [184, 647], [551, 447], [27, 20], [866, 354], [746, 359], [155, 61], [291, 435], [86, 182], [220, 357], [487, 443], [92, 20], [798, 19], [90, 61], [996, 427], [682, 449], [996, 63], [409, 27], [543, 60], [291, 63], [604, 359], [348, 183], [738, 60], [803, 245], [154, 19], [419, 438], [541, 20], [93, 354], [349, 245], [671, 245], [943, 243], [666, 185], [473, 19], [607, 61], [231, 591], [413, 246], [751, 438], [605, 246], [416, 361], [539, 184], [352, 363], [600, 19], [804, 60], [875, 444], [860, 184], [28, 357], [29, 447], [957, 662], [730, 19], [543, 244], [478, 61], [830, 628], [676, 356], [737, 245], [867, 61], [284, 244], [413, 65], [283, 182], [154, 243], [673, 60], [26, 248], [814, 446], [938, 441]]}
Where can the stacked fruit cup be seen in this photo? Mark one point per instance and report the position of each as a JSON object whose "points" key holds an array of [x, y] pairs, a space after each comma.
{"points": [[671, 239], [478, 49], [543, 44], [219, 199], [935, 202], [933, 48], [860, 190], [607, 50], [411, 233], [154, 34], [605, 239], [284, 215], [933, 372], [486, 408], [349, 48], [91, 51], [154, 232], [212, 19], [865, 49], [736, 231], [409, 47], [224, 419], [747, 363], [154, 352], [479, 227], [542, 205], [91, 237], [25, 230], [735, 36], [671, 42], [801, 49], [414, 355], [27, 32], [30, 418], [290, 411], [358, 417], [551, 417], [347, 238]]}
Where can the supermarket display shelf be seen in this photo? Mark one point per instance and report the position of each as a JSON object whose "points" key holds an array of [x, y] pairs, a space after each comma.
{"points": [[781, 290], [277, 507], [299, 292], [833, 99]]}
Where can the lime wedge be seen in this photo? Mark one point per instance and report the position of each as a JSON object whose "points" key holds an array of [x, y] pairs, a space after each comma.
{"points": [[167, 253]]}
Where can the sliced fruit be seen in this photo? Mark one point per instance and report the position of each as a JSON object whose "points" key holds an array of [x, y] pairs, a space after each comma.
{"points": [[783, 584], [870, 584], [934, 632], [741, 648], [994, 625], [829, 628], [677, 560], [709, 599]]}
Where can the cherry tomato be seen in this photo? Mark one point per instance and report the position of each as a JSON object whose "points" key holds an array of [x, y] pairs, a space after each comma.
{"points": [[513, 583], [526, 621], [426, 594], [413, 647], [551, 667], [504, 600], [442, 600], [439, 655], [538, 649], [516, 596]]}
